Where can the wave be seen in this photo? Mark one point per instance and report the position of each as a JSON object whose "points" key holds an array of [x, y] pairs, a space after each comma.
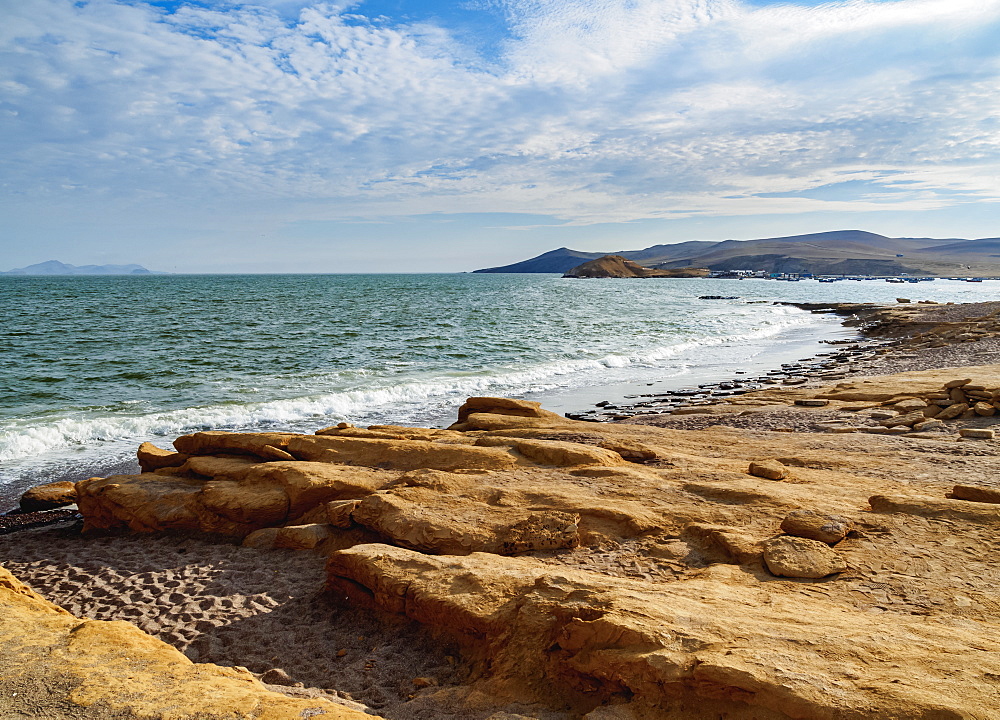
{"points": [[377, 400]]}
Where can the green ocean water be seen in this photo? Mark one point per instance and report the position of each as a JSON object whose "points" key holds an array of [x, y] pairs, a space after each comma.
{"points": [[91, 366]]}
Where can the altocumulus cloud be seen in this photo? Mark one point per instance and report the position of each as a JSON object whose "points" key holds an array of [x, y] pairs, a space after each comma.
{"points": [[588, 110]]}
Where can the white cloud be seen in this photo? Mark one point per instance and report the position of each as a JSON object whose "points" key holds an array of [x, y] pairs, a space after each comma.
{"points": [[595, 110]]}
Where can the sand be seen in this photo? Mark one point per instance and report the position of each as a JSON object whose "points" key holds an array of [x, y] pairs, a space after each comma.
{"points": [[229, 605]]}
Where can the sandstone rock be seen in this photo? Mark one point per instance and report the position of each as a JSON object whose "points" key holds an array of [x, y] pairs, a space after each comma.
{"points": [[932, 410], [429, 521], [555, 452], [952, 411], [505, 406], [830, 529], [908, 420], [799, 557], [957, 383], [984, 409], [57, 665], [769, 469], [153, 458], [49, 496], [733, 546], [976, 493], [956, 395], [400, 454], [294, 537], [977, 433], [217, 441], [272, 453], [812, 402], [928, 425], [277, 676], [980, 512], [724, 644], [909, 405]]}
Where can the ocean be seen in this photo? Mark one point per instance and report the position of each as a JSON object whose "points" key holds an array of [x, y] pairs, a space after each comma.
{"points": [[92, 366]]}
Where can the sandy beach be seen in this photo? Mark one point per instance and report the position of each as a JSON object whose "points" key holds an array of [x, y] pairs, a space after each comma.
{"points": [[266, 610]]}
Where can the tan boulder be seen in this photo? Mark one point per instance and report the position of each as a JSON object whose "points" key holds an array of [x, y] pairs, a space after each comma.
{"points": [[505, 406], [56, 665], [984, 409], [153, 458], [48, 496], [798, 557], [830, 529], [909, 405], [769, 469], [400, 454], [424, 519], [215, 442]]}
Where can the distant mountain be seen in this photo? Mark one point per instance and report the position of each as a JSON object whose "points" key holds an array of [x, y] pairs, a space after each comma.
{"points": [[54, 267], [554, 261], [849, 252]]}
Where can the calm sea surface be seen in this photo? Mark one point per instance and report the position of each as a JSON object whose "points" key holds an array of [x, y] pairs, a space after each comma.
{"points": [[91, 366]]}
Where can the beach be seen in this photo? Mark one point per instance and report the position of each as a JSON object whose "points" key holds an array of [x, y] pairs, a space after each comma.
{"points": [[272, 612]]}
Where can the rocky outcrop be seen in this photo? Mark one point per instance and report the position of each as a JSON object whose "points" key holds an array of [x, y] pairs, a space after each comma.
{"points": [[53, 664], [721, 644], [579, 564], [615, 266]]}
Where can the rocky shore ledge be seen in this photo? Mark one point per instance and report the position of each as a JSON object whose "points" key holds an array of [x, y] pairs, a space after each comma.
{"points": [[520, 564]]}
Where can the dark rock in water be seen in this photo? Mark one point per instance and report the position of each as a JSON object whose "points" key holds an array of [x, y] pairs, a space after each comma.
{"points": [[718, 297]]}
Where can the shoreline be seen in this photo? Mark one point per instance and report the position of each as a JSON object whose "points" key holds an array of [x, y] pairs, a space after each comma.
{"points": [[572, 401], [681, 520]]}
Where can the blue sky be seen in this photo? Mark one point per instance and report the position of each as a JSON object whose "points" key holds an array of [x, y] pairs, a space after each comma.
{"points": [[396, 136]]}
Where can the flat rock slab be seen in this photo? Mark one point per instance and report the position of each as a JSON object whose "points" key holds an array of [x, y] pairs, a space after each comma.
{"points": [[441, 524]]}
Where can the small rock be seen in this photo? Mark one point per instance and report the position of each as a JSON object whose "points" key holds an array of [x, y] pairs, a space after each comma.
{"points": [[342, 652], [956, 383], [984, 409], [769, 469], [975, 494], [273, 453], [882, 414], [812, 402], [977, 433], [902, 300], [908, 420], [277, 676], [928, 425], [422, 682], [952, 411], [801, 558], [830, 529], [910, 404], [344, 425], [49, 496]]}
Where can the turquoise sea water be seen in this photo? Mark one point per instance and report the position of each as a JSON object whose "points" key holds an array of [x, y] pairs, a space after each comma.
{"points": [[91, 366]]}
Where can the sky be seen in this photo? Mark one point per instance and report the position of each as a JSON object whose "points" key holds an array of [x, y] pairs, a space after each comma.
{"points": [[441, 136]]}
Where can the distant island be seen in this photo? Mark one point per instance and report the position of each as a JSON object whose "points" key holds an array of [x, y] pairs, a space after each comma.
{"points": [[54, 267], [839, 252], [615, 266]]}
